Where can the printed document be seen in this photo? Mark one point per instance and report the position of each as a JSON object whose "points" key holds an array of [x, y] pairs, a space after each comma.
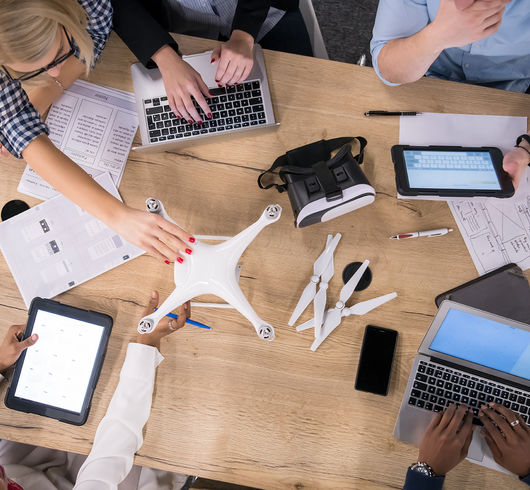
{"points": [[55, 246], [95, 127], [496, 231]]}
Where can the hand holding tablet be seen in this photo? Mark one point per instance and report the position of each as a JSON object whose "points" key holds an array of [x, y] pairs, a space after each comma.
{"points": [[12, 346]]}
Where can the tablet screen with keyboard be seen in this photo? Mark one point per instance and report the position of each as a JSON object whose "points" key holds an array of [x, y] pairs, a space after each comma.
{"points": [[450, 171]]}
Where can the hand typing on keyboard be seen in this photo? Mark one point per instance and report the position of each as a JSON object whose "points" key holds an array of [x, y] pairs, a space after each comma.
{"points": [[447, 439], [508, 438], [235, 58], [182, 83]]}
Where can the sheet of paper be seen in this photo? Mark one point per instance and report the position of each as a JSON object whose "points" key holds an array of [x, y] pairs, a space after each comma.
{"points": [[432, 128], [496, 231], [55, 246], [95, 127]]}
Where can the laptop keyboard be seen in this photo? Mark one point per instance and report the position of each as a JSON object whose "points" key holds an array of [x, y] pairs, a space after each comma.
{"points": [[436, 387], [233, 107]]}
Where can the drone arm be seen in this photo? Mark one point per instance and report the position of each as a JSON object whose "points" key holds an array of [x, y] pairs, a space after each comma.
{"points": [[242, 240], [178, 297]]}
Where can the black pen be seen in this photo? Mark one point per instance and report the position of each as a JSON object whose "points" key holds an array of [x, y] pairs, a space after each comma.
{"points": [[387, 113]]}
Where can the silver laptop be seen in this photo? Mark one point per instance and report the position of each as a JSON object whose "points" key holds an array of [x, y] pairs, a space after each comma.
{"points": [[467, 356], [236, 109]]}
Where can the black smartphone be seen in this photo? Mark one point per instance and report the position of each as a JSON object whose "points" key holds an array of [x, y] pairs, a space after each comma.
{"points": [[450, 171], [375, 362]]}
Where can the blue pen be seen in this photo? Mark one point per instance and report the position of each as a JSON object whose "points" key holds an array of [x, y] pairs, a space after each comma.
{"points": [[191, 322]]}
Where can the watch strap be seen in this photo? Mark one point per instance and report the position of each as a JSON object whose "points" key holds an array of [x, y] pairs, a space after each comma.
{"points": [[525, 137], [423, 468]]}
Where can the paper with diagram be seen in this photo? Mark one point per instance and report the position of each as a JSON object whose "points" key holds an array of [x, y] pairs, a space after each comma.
{"points": [[55, 246], [496, 231], [93, 125]]}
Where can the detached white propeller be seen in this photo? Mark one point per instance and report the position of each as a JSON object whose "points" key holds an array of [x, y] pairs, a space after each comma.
{"points": [[333, 316], [319, 267]]}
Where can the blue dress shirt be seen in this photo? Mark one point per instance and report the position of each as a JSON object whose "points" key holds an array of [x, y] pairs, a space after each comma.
{"points": [[501, 60]]}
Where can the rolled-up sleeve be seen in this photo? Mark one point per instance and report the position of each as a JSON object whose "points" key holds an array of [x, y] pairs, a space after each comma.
{"points": [[396, 19], [20, 123], [99, 23]]}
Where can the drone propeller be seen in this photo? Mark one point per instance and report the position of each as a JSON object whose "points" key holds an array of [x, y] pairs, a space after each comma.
{"points": [[319, 302], [318, 268], [369, 305]]}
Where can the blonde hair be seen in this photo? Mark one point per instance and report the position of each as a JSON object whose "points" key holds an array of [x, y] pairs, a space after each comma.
{"points": [[28, 29]]}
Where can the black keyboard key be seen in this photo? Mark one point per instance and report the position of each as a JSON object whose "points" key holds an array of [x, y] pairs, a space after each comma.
{"points": [[439, 391], [187, 134], [448, 394], [473, 403], [237, 104], [167, 108], [421, 368], [232, 112], [220, 128], [156, 117], [151, 126], [525, 418], [154, 110], [160, 124], [420, 403], [507, 404], [156, 101], [189, 127], [480, 386], [513, 397], [454, 378], [489, 398], [261, 115], [487, 389], [172, 130], [429, 406], [223, 98], [462, 382], [164, 116], [431, 389], [498, 401], [204, 131], [162, 138], [224, 114], [247, 95], [527, 403], [257, 108], [440, 383], [523, 409], [154, 134], [255, 84], [448, 386], [154, 140], [229, 105], [239, 96], [237, 119], [150, 120], [464, 399], [244, 103], [456, 397], [482, 396], [457, 388], [471, 384], [256, 93], [248, 86], [521, 400], [465, 391], [515, 407], [195, 133], [240, 87], [437, 408], [171, 137], [181, 129], [229, 120], [168, 124], [433, 399], [446, 376], [165, 131], [147, 101], [253, 123], [254, 117], [212, 130], [228, 126], [504, 394], [425, 396], [231, 97], [248, 110], [442, 402], [163, 98], [496, 392], [218, 91], [256, 100], [231, 89]]}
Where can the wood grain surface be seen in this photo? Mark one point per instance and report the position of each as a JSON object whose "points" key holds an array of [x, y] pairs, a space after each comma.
{"points": [[231, 407]]}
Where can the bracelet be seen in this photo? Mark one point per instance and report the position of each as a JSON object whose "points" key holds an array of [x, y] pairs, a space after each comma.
{"points": [[59, 83], [523, 148]]}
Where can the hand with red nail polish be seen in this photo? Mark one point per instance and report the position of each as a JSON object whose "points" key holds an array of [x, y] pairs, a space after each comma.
{"points": [[182, 83], [236, 57], [191, 239], [180, 260], [188, 251]]}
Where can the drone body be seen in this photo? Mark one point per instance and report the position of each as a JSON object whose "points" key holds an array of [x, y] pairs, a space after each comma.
{"points": [[213, 269]]}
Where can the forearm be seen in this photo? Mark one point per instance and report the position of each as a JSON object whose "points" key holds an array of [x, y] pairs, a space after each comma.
{"points": [[43, 96], [407, 59], [72, 181], [119, 434]]}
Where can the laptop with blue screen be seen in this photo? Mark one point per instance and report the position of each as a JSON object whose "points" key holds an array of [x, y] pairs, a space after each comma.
{"points": [[467, 356]]}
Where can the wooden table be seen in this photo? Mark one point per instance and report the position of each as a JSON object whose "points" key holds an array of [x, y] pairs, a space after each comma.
{"points": [[227, 405]]}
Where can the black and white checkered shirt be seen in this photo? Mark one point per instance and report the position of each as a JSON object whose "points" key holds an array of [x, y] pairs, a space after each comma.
{"points": [[20, 123]]}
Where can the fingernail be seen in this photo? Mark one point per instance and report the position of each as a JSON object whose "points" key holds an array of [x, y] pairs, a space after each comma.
{"points": [[212, 61], [191, 239], [153, 295], [167, 262], [190, 121], [217, 80], [219, 85], [209, 115], [188, 251], [199, 122], [34, 337], [180, 260]]}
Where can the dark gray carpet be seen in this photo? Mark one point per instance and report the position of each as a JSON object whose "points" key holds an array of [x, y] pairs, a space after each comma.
{"points": [[346, 27]]}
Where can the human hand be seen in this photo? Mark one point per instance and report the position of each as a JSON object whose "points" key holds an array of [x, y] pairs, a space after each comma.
{"points": [[463, 4], [165, 326], [454, 27], [11, 347], [235, 58], [182, 82], [514, 164], [509, 444], [447, 439], [3, 152], [154, 234]]}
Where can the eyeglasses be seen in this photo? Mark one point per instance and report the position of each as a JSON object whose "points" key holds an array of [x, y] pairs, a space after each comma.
{"points": [[53, 64]]}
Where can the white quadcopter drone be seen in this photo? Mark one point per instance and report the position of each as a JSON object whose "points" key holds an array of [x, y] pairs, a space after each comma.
{"points": [[213, 269], [324, 322]]}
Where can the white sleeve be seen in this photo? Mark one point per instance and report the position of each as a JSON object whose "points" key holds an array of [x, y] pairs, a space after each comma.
{"points": [[119, 434]]}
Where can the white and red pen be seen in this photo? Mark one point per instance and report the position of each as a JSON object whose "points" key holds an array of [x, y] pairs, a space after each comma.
{"points": [[416, 234]]}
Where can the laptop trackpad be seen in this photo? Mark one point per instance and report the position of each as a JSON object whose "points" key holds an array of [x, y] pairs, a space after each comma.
{"points": [[476, 450]]}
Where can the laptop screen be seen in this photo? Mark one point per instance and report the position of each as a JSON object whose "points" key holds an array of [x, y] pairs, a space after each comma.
{"points": [[485, 342]]}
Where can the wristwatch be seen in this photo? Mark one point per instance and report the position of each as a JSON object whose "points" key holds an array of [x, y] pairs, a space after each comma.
{"points": [[518, 141], [423, 468]]}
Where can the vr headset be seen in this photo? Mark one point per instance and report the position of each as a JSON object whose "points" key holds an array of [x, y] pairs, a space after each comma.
{"points": [[321, 188]]}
